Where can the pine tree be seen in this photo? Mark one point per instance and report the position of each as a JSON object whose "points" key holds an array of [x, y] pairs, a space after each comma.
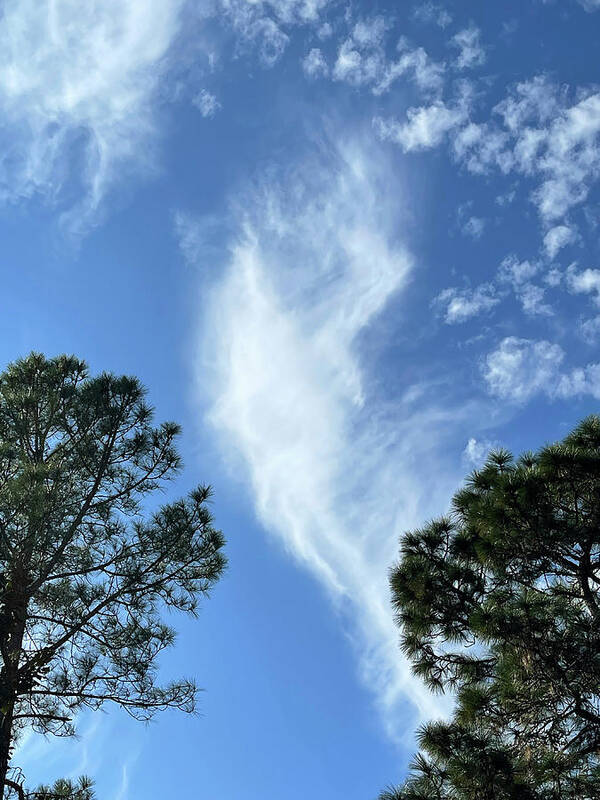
{"points": [[499, 603], [84, 573]]}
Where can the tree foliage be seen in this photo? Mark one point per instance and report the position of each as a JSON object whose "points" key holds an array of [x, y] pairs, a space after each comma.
{"points": [[499, 603], [84, 573]]}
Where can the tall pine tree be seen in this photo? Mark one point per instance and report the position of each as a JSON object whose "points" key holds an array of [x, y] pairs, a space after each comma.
{"points": [[500, 604], [84, 573]]}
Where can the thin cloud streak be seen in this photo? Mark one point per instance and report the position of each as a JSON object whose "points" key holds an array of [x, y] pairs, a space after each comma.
{"points": [[335, 471]]}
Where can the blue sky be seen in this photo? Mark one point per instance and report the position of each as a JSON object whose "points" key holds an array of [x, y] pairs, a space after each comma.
{"points": [[350, 247]]}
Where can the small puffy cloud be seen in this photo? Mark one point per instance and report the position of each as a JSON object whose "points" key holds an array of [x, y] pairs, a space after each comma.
{"points": [[471, 52], [314, 64], [432, 13], [531, 298], [476, 451], [428, 75], [206, 103], [558, 237], [533, 102], [590, 329], [425, 127], [262, 26], [585, 282], [543, 136], [474, 227], [553, 277], [325, 31], [361, 58], [369, 33], [459, 305], [516, 272], [362, 61], [580, 381], [520, 368], [481, 148]]}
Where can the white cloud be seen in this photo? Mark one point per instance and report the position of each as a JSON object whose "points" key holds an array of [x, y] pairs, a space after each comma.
{"points": [[553, 140], [557, 238], [206, 103], [471, 53], [77, 82], [314, 64], [428, 75], [585, 282], [476, 451], [518, 275], [425, 127], [531, 298], [539, 131], [474, 227], [334, 476], [362, 61], [590, 329], [432, 12], [521, 368], [516, 272], [460, 305], [325, 31], [580, 381], [265, 24]]}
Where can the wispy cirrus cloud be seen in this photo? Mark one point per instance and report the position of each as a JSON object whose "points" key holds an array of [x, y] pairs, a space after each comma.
{"points": [[336, 470], [77, 82]]}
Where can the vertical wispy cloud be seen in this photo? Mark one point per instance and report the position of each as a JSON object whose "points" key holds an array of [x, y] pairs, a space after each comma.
{"points": [[336, 470], [76, 87]]}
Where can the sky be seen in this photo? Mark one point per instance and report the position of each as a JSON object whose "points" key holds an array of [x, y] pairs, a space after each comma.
{"points": [[350, 247]]}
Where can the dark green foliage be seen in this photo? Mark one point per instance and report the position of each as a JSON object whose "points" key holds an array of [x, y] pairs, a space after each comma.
{"points": [[84, 575], [500, 603], [65, 790]]}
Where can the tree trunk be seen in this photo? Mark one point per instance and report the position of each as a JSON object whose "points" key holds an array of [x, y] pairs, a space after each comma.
{"points": [[6, 723], [12, 644]]}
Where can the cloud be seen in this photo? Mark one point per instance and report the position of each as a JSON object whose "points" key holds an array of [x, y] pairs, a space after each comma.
{"points": [[518, 275], [474, 227], [585, 282], [471, 53], [547, 137], [476, 451], [520, 368], [335, 470], [206, 103], [314, 64], [434, 13], [77, 81], [425, 127], [362, 61], [517, 272], [539, 131], [266, 23], [590, 329], [460, 305], [557, 238]]}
